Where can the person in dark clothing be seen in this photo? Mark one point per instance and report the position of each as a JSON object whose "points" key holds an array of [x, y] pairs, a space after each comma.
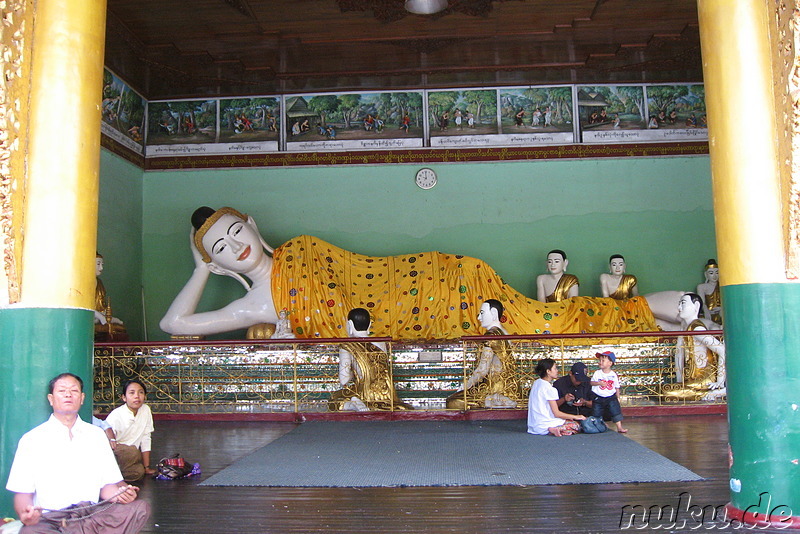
{"points": [[574, 391]]}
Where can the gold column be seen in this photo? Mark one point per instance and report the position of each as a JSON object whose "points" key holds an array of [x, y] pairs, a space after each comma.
{"points": [[742, 130], [61, 189]]}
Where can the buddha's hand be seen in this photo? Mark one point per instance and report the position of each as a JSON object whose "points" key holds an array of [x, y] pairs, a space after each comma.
{"points": [[198, 258]]}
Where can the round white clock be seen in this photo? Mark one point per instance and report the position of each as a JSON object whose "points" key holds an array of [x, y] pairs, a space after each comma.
{"points": [[426, 178]]}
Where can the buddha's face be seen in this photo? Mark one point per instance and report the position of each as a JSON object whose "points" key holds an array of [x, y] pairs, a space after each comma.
{"points": [[712, 274], [485, 316], [617, 266], [556, 264], [233, 244], [98, 266], [687, 309]]}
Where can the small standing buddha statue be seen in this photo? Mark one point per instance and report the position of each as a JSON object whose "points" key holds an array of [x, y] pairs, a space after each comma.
{"points": [[106, 326], [709, 292]]}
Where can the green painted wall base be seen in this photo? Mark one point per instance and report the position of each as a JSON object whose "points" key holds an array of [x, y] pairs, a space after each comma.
{"points": [[762, 341], [37, 344]]}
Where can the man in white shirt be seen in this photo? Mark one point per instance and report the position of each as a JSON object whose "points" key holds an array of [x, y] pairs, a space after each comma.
{"points": [[66, 462]]}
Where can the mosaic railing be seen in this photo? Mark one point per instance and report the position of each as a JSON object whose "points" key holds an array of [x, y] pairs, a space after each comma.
{"points": [[300, 375]]}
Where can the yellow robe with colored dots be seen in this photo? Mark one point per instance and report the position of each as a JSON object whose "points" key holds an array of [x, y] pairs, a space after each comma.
{"points": [[430, 295]]}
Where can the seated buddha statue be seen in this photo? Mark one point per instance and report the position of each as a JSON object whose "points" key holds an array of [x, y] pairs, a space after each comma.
{"points": [[556, 285], [493, 383], [699, 360], [709, 292], [364, 374], [615, 283], [106, 326]]}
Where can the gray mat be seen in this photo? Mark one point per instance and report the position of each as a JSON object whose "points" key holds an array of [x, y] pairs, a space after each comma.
{"points": [[444, 453]]}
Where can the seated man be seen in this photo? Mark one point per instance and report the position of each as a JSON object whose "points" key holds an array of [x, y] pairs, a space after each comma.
{"points": [[64, 465], [574, 391], [364, 372], [493, 383], [556, 285]]}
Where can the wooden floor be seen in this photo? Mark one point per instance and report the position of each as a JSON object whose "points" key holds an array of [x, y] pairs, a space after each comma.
{"points": [[698, 442]]}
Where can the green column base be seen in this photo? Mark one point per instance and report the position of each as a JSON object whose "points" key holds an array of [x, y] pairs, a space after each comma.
{"points": [[762, 342], [37, 344]]}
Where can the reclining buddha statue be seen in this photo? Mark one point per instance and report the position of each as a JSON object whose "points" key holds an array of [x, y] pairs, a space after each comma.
{"points": [[429, 295]]}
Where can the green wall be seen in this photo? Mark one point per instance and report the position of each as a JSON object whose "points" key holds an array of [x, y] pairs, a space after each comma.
{"points": [[119, 239], [655, 211]]}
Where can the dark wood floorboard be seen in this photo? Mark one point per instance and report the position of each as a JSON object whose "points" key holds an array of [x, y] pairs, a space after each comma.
{"points": [[696, 442]]}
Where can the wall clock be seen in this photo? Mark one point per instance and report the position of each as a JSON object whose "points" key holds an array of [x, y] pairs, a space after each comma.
{"points": [[425, 178]]}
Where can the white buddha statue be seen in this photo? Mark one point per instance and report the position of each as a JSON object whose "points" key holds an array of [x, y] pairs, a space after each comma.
{"points": [[556, 285], [616, 284], [364, 374], [283, 329], [312, 280], [699, 360], [493, 382], [224, 242]]}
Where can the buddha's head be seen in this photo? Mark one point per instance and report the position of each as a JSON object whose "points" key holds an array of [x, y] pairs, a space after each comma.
{"points": [[711, 271], [689, 307], [98, 264], [358, 322], [490, 313], [557, 261], [227, 239], [616, 264]]}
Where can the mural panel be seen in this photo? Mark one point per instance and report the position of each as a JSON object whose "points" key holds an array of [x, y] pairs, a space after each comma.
{"points": [[354, 121], [463, 118], [249, 124], [181, 127], [638, 113], [123, 113], [536, 116]]}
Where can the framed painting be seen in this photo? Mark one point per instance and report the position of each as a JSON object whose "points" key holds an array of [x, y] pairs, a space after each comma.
{"points": [[354, 121], [536, 116], [462, 118], [123, 112], [181, 127], [250, 124]]}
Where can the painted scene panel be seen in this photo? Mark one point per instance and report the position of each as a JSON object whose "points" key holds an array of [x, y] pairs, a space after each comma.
{"points": [[463, 117], [677, 111], [181, 127], [536, 115], [123, 111], [354, 121], [248, 120]]}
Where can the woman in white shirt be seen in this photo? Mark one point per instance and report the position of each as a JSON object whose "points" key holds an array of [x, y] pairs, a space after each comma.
{"points": [[132, 423], [544, 417]]}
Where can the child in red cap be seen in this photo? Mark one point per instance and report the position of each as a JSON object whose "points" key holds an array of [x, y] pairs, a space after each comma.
{"points": [[605, 384]]}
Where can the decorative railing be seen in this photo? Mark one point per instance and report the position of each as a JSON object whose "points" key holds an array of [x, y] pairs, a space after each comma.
{"points": [[300, 375]]}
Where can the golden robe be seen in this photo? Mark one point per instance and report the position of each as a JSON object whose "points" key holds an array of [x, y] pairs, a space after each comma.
{"points": [[563, 286], [699, 371], [429, 295], [108, 331], [714, 300], [503, 382], [375, 387], [625, 288]]}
